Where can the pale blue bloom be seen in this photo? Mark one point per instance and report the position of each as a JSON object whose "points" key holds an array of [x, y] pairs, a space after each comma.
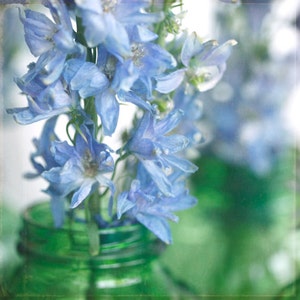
{"points": [[44, 101], [114, 15], [86, 68], [43, 150], [82, 167], [150, 207], [155, 147], [122, 78], [206, 61], [148, 61], [52, 42], [84, 77], [188, 99], [244, 113]]}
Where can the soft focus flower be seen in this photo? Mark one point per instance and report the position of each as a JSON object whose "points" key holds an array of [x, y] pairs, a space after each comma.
{"points": [[99, 16], [206, 61], [52, 42], [43, 149], [188, 99], [44, 101], [244, 114]]}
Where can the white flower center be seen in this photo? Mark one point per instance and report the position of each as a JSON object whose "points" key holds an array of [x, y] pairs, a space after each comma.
{"points": [[89, 164], [109, 5], [138, 52]]}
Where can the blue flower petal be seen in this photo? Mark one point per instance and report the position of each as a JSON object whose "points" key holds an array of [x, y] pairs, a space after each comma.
{"points": [[181, 163], [58, 210], [133, 98], [123, 204], [168, 83], [82, 193], [158, 226], [107, 108], [160, 179], [84, 77]]}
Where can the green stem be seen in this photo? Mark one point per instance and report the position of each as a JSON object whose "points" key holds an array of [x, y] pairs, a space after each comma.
{"points": [[122, 157], [90, 108], [160, 27], [91, 209]]}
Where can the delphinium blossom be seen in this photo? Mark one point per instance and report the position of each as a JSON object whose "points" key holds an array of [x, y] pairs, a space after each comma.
{"points": [[94, 57], [244, 114]]}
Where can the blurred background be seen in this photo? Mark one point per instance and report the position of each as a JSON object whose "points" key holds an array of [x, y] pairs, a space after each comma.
{"points": [[241, 238]]}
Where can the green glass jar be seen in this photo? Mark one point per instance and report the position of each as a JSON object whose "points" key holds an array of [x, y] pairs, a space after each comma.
{"points": [[57, 264]]}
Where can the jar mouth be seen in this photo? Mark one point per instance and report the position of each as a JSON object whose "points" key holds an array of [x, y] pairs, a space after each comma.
{"points": [[127, 244]]}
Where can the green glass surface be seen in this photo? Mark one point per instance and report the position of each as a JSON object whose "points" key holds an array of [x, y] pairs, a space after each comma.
{"points": [[57, 263]]}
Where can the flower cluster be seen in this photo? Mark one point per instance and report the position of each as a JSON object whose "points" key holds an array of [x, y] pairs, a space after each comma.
{"points": [[244, 114], [93, 59]]}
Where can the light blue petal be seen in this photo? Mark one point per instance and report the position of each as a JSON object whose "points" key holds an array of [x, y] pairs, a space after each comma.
{"points": [[38, 30], [182, 202], [52, 175], [209, 76], [173, 143], [181, 163], [64, 41], [62, 152], [133, 98], [168, 83], [158, 176], [125, 76], [158, 226], [191, 46], [143, 18], [103, 181], [25, 116], [117, 40], [220, 54], [144, 148], [84, 77], [123, 204], [95, 30], [170, 122], [58, 211], [54, 67], [90, 5], [107, 108], [82, 193], [141, 34]]}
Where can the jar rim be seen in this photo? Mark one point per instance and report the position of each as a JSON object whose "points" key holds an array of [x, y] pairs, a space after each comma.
{"points": [[29, 218], [119, 245]]}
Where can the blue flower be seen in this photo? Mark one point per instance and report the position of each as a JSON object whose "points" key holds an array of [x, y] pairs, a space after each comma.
{"points": [[82, 168], [146, 63], [188, 99], [153, 209], [100, 15], [44, 101], [206, 61], [84, 77], [43, 150], [52, 42], [155, 147]]}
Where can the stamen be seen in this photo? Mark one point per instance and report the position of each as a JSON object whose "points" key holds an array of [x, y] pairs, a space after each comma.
{"points": [[138, 52], [109, 5], [89, 164]]}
